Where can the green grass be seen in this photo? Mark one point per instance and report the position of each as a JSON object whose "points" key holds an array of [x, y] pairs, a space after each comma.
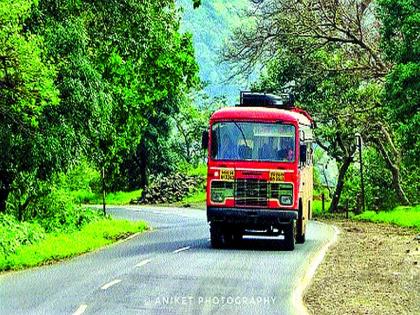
{"points": [[197, 197], [317, 207], [200, 170], [117, 198], [63, 245], [401, 216]]}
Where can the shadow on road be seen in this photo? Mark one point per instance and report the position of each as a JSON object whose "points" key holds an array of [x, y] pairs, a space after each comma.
{"points": [[250, 244]]}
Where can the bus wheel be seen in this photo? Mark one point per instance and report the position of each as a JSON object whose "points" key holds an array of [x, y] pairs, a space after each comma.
{"points": [[289, 236], [216, 236], [301, 238], [237, 236], [301, 231]]}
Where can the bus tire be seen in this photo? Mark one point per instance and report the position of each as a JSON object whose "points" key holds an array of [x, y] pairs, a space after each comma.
{"points": [[289, 236], [237, 236], [216, 236], [301, 231], [300, 238]]}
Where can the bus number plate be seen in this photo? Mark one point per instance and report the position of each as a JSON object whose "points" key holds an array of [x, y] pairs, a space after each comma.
{"points": [[227, 174], [276, 177]]}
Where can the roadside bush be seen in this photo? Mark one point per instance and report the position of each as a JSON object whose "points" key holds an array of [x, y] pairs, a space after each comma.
{"points": [[14, 234], [402, 216], [58, 211], [83, 177]]}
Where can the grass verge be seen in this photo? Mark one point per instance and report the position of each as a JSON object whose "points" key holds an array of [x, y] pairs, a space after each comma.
{"points": [[56, 246], [317, 207], [116, 198], [196, 200], [401, 216]]}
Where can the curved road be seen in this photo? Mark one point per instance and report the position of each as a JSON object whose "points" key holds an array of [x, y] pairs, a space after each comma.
{"points": [[171, 270]]}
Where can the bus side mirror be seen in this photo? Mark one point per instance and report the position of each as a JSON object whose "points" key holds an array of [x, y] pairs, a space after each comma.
{"points": [[205, 140], [302, 157]]}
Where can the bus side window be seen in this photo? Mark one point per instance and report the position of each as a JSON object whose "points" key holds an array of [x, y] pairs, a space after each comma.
{"points": [[214, 143], [309, 154]]}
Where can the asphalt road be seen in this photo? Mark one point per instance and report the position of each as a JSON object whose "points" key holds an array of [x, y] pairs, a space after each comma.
{"points": [[171, 270]]}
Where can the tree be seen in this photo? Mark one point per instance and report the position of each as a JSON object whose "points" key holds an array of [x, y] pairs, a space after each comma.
{"points": [[83, 79], [138, 62], [401, 43], [190, 122], [27, 93], [328, 53]]}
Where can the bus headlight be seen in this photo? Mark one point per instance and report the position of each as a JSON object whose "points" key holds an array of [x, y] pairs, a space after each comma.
{"points": [[283, 192], [217, 197], [220, 190], [286, 200]]}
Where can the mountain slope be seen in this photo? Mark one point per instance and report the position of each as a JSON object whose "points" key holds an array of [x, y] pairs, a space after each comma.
{"points": [[211, 24]]}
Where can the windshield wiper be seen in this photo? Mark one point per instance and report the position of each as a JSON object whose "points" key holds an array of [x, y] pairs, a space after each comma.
{"points": [[240, 129]]}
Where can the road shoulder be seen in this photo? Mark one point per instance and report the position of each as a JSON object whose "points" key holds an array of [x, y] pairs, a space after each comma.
{"points": [[372, 269]]}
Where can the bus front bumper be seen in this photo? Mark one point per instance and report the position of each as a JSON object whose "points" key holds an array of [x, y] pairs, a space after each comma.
{"points": [[252, 217]]}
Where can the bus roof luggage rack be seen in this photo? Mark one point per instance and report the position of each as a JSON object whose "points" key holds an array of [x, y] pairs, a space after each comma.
{"points": [[267, 100]]}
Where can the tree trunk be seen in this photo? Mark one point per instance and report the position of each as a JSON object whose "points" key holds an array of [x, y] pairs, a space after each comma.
{"points": [[4, 190], [340, 183], [143, 162], [4, 193], [395, 171]]}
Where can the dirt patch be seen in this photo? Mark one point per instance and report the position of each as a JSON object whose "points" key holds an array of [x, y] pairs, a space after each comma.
{"points": [[372, 269]]}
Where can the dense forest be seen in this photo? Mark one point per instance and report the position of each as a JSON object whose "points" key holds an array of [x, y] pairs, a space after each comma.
{"points": [[103, 94], [87, 82]]}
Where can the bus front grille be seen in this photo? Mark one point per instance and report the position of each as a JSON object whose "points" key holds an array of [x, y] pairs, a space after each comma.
{"points": [[251, 192]]}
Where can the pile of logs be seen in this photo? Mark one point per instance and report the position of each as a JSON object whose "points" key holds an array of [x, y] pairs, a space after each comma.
{"points": [[169, 189]]}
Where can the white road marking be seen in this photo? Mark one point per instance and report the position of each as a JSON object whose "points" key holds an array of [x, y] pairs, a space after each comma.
{"points": [[80, 310], [143, 262], [181, 249], [110, 284], [132, 236]]}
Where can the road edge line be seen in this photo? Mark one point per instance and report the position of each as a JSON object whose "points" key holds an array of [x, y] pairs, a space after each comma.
{"points": [[82, 308], [110, 284], [298, 292], [182, 249]]}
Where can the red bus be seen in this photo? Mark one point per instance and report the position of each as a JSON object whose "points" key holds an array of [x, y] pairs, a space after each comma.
{"points": [[259, 178]]}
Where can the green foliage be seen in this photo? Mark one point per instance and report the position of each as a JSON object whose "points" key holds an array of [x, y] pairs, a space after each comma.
{"points": [[379, 193], [81, 176], [114, 198], [27, 137], [27, 81], [119, 79], [75, 90], [190, 122], [317, 208], [199, 170], [400, 29], [63, 245], [401, 43], [401, 216], [58, 211], [197, 198], [14, 234]]}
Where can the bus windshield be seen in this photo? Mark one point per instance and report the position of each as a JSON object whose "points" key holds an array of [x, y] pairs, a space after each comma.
{"points": [[253, 141]]}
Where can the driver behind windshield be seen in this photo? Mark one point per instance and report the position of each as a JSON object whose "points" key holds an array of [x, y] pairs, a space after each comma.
{"points": [[287, 152], [268, 151]]}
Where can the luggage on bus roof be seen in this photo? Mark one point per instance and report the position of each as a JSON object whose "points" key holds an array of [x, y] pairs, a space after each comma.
{"points": [[267, 100]]}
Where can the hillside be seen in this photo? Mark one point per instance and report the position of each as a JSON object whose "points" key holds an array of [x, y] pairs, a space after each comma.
{"points": [[211, 24]]}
